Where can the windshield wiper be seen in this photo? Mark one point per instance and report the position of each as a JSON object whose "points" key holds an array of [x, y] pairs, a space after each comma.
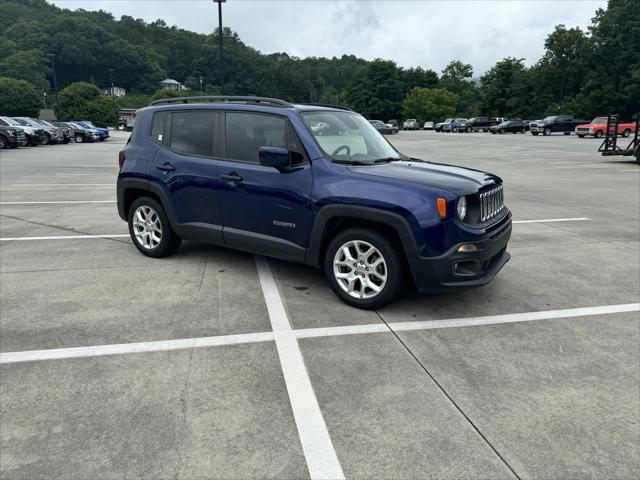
{"points": [[350, 162], [387, 160]]}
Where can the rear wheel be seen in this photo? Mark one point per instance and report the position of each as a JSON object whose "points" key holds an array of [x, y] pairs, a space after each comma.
{"points": [[567, 133], [580, 136], [502, 130], [363, 268], [150, 229], [523, 131], [535, 134]]}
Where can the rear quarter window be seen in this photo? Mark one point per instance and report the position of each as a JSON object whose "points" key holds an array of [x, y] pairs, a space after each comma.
{"points": [[157, 126]]}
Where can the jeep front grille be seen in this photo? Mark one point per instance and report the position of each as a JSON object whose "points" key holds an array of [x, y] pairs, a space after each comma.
{"points": [[491, 203]]}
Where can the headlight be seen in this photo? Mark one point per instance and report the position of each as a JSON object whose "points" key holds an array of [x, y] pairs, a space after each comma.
{"points": [[11, 133], [462, 207]]}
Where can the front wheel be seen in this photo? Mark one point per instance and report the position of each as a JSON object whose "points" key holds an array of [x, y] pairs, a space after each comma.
{"points": [[79, 138], [546, 132], [45, 139], [626, 132], [150, 229], [598, 134], [3, 142], [364, 268], [535, 134], [567, 133]]}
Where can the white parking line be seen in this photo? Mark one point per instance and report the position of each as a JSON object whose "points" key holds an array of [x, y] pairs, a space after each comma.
{"points": [[31, 185], [549, 220], [322, 461], [634, 170], [61, 237], [180, 344], [84, 175], [141, 347], [61, 202]]}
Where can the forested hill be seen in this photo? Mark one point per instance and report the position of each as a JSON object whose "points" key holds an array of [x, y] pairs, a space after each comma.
{"points": [[582, 72]]}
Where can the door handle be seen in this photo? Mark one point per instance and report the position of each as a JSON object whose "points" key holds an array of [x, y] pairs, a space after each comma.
{"points": [[166, 167], [231, 177]]}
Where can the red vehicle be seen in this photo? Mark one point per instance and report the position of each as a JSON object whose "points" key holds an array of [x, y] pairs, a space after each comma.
{"points": [[598, 127]]}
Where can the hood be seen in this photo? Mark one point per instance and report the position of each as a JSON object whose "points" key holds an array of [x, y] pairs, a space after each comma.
{"points": [[458, 180]]}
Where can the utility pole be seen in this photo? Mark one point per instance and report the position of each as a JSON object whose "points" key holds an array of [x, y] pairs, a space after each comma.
{"points": [[220, 2], [55, 77], [113, 98], [200, 85]]}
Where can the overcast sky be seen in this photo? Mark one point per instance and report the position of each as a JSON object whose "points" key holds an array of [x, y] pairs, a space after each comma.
{"points": [[413, 33]]}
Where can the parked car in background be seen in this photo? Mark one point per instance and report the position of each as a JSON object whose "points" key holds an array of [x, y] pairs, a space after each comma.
{"points": [[511, 126], [500, 119], [62, 133], [453, 125], [102, 132], [477, 124], [598, 126], [438, 126], [395, 124], [382, 127], [66, 130], [51, 134], [428, 126], [79, 134], [555, 124], [12, 137], [35, 135], [411, 124]]}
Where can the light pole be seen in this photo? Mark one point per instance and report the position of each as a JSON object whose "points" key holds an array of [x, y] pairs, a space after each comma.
{"points": [[200, 85], [220, 2], [55, 77], [113, 98]]}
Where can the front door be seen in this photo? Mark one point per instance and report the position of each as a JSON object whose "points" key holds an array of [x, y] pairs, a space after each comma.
{"points": [[263, 209]]}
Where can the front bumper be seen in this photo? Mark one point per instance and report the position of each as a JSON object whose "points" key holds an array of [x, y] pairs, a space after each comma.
{"points": [[455, 270]]}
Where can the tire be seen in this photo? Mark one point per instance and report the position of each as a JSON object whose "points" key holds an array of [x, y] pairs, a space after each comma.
{"points": [[598, 134], [535, 134], [502, 131], [469, 129], [145, 213], [372, 247], [45, 139], [581, 136], [546, 132], [567, 133], [485, 130], [626, 132], [523, 131], [493, 132], [4, 143], [79, 138]]}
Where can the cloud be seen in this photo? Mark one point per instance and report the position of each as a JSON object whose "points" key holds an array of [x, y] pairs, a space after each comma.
{"points": [[412, 33]]}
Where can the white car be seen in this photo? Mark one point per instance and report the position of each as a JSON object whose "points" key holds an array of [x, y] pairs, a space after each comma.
{"points": [[428, 126]]}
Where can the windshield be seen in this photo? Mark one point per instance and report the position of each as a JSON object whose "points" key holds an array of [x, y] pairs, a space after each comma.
{"points": [[599, 120], [11, 121], [19, 121], [549, 119], [348, 137]]}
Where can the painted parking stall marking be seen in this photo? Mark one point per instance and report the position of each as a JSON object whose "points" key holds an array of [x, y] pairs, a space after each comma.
{"points": [[318, 449]]}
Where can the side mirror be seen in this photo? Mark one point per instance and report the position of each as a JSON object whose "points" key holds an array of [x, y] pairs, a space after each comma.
{"points": [[274, 157]]}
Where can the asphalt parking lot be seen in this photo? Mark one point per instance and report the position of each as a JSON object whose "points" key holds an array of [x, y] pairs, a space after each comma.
{"points": [[216, 364]]}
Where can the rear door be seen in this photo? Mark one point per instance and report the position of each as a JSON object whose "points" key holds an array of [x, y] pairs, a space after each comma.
{"points": [[263, 209], [185, 167]]}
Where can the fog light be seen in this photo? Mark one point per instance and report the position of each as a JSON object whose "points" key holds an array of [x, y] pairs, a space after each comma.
{"points": [[467, 248]]}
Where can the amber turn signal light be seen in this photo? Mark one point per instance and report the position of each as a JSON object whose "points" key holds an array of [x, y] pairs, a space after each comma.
{"points": [[442, 206], [467, 248]]}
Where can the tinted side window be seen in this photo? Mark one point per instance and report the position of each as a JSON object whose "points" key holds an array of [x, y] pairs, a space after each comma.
{"points": [[192, 132], [157, 126], [247, 132]]}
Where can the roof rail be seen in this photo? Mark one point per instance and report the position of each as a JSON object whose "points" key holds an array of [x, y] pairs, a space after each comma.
{"points": [[328, 105], [274, 102]]}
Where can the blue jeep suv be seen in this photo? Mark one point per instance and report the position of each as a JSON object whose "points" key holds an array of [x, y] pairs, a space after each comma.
{"points": [[312, 184]]}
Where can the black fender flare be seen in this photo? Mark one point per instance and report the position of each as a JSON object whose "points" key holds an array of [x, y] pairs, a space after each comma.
{"points": [[129, 183], [391, 219]]}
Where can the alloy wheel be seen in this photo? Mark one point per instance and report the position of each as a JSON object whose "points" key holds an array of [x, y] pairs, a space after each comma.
{"points": [[360, 269], [147, 227]]}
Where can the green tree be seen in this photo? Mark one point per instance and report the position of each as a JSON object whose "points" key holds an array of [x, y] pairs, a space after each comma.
{"points": [[433, 104], [456, 77], [83, 100], [506, 89], [18, 98], [28, 65], [164, 93], [376, 91]]}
